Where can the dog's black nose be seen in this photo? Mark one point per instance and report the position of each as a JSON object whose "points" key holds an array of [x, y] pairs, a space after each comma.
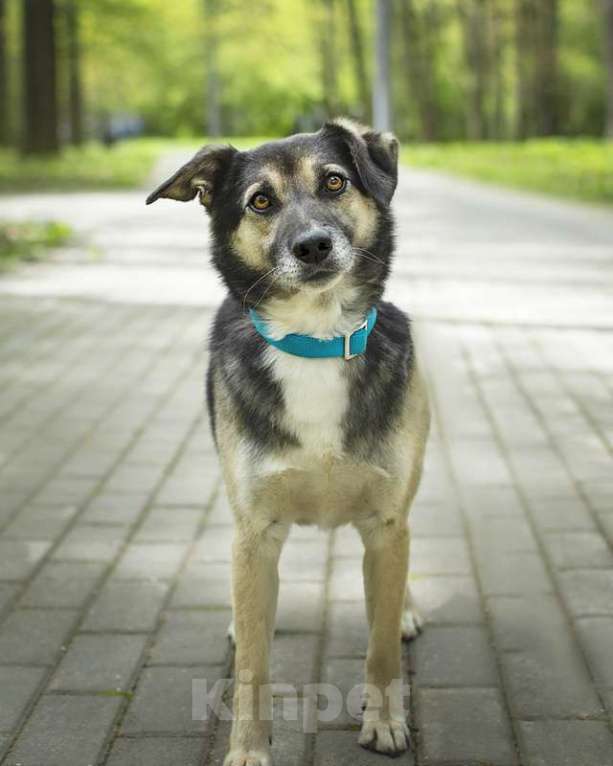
{"points": [[313, 247]]}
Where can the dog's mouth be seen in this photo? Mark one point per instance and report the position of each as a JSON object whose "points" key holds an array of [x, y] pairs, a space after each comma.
{"points": [[319, 276]]}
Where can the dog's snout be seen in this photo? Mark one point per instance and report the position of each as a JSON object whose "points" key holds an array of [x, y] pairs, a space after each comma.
{"points": [[313, 247]]}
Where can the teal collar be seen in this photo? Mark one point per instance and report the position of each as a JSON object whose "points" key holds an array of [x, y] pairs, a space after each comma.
{"points": [[345, 346]]}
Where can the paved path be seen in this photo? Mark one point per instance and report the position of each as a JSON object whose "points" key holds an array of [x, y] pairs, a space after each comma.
{"points": [[114, 534]]}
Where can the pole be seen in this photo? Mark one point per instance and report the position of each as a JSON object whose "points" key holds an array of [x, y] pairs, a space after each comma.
{"points": [[381, 101]]}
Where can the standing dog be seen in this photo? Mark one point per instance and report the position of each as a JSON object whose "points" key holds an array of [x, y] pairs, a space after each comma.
{"points": [[317, 407]]}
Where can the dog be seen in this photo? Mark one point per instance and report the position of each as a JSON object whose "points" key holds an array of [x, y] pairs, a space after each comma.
{"points": [[317, 406]]}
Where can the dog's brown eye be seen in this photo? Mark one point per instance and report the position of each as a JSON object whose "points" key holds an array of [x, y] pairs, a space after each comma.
{"points": [[335, 183], [259, 202]]}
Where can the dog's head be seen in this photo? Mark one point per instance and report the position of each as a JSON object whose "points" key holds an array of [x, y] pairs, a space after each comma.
{"points": [[305, 213]]}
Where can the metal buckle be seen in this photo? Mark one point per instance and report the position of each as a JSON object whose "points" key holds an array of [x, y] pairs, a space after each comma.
{"points": [[347, 344]]}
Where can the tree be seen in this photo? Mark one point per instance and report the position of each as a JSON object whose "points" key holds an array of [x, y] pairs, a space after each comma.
{"points": [[537, 67], [4, 111], [547, 78], [4, 95], [608, 25], [359, 64], [472, 15], [40, 133], [419, 35], [328, 59], [75, 98], [497, 46], [213, 99], [524, 57]]}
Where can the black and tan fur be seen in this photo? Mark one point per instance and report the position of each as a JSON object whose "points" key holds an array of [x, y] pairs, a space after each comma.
{"points": [[311, 441]]}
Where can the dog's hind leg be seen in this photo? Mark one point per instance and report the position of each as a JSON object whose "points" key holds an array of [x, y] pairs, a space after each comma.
{"points": [[386, 555], [412, 621], [255, 581]]}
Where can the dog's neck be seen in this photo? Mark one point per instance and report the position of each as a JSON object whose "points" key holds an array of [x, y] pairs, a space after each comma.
{"points": [[322, 315]]}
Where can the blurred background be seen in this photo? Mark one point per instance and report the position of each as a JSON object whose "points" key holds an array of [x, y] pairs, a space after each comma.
{"points": [[518, 91], [114, 530]]}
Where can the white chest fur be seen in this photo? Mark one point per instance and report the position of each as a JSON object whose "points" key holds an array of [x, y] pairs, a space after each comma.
{"points": [[315, 393]]}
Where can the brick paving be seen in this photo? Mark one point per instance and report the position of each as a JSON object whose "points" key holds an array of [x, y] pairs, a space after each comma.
{"points": [[115, 534]]}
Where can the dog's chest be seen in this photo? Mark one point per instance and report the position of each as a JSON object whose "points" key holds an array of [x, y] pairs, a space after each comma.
{"points": [[315, 398]]}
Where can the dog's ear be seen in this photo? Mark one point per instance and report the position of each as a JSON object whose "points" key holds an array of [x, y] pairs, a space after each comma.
{"points": [[201, 175], [374, 154]]}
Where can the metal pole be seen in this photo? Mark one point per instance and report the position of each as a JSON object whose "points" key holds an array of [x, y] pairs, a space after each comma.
{"points": [[381, 101]]}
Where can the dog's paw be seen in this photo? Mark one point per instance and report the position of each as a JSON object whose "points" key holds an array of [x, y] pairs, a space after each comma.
{"points": [[388, 737], [248, 758], [412, 624]]}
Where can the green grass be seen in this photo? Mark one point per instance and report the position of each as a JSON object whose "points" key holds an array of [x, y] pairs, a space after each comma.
{"points": [[92, 166], [29, 240], [127, 164], [580, 168]]}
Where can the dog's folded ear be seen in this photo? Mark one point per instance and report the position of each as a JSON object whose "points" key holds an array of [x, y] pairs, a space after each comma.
{"points": [[375, 156], [199, 176]]}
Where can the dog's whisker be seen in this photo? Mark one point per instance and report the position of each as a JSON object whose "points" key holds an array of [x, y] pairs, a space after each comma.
{"points": [[367, 255], [261, 298], [257, 282]]}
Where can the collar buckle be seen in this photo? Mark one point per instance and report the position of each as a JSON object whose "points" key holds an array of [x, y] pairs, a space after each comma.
{"points": [[347, 341]]}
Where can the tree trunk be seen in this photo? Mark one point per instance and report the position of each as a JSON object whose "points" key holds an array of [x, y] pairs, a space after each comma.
{"points": [[4, 111], [328, 59], [608, 32], [473, 26], [548, 98], [40, 134], [213, 101], [75, 97], [497, 53], [524, 53], [359, 63], [431, 49], [420, 58]]}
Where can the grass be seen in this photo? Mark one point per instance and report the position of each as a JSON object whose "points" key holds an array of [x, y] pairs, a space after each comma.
{"points": [[579, 168], [29, 240], [92, 166], [124, 165]]}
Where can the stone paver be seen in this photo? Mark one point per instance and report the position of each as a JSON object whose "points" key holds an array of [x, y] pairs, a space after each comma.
{"points": [[17, 687], [156, 751], [464, 726], [65, 730], [567, 743], [163, 700], [131, 606], [104, 663], [115, 539]]}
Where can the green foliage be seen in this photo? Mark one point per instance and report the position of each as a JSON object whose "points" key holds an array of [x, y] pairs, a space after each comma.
{"points": [[580, 56], [580, 169], [147, 58], [28, 240], [91, 166], [124, 165]]}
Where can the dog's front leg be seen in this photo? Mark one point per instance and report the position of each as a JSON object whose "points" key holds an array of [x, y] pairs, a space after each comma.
{"points": [[255, 583], [386, 554]]}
